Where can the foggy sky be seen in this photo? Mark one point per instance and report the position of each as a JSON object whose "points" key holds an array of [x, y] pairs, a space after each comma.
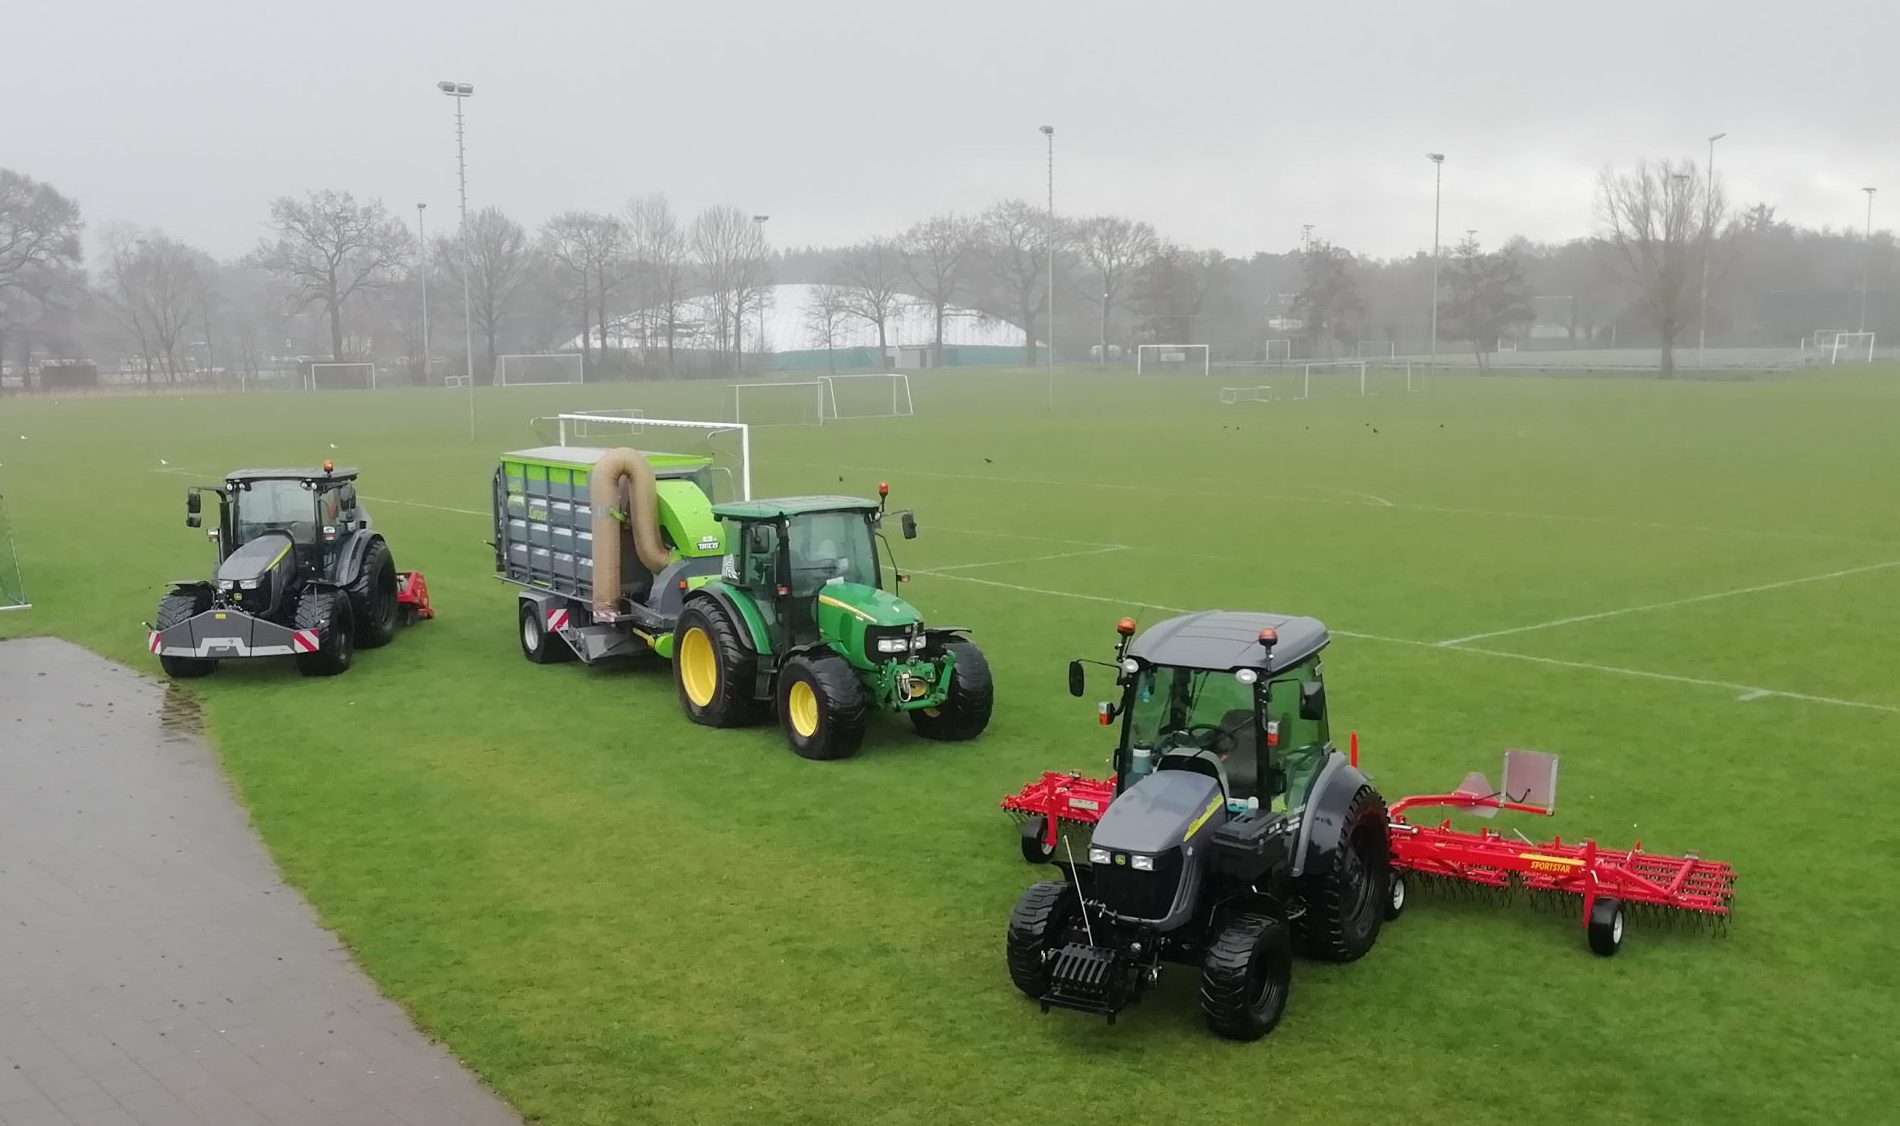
{"points": [[1224, 125]]}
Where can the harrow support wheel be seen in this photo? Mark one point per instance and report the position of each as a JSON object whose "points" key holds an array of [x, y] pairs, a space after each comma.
{"points": [[1036, 847], [1606, 926], [1394, 894]]}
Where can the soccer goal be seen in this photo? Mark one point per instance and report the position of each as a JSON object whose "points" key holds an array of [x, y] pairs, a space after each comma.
{"points": [[1229, 396], [342, 377], [873, 395], [1842, 346], [728, 444], [1281, 349], [1157, 357], [1394, 376], [786, 403], [12, 587], [1376, 349], [1333, 377], [538, 370]]}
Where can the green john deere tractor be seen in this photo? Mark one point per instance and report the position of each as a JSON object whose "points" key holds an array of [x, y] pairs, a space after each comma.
{"points": [[800, 620]]}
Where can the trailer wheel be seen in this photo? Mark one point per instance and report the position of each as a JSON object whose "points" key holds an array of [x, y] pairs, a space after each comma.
{"points": [[336, 647], [1346, 896], [537, 644], [180, 606], [965, 712], [1037, 927], [1245, 978], [373, 596], [712, 669], [1394, 894], [1035, 849], [1606, 926], [821, 706]]}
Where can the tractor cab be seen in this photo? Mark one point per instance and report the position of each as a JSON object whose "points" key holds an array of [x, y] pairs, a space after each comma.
{"points": [[812, 566], [1235, 696], [314, 509]]}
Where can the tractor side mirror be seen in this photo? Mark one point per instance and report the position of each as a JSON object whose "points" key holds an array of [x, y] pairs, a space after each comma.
{"points": [[758, 538], [193, 506], [1077, 682], [1312, 700], [909, 523]]}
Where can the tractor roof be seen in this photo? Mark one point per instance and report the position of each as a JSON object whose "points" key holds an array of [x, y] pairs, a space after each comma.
{"points": [[1228, 639], [776, 507], [294, 473]]}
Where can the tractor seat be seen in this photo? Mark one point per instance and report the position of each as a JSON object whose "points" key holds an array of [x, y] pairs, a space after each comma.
{"points": [[1242, 750]]}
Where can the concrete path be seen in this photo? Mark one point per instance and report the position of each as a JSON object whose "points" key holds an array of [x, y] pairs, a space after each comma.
{"points": [[153, 967]]}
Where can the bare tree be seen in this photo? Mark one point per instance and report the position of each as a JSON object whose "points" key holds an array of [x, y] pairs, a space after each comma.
{"points": [[824, 320], [592, 247], [500, 261], [1171, 291], [727, 245], [1329, 303], [937, 254], [330, 249], [871, 273], [662, 270], [1660, 221], [159, 289], [1486, 296], [39, 257], [1114, 247], [1013, 250]]}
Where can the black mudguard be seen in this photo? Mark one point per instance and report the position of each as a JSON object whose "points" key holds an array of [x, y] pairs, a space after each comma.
{"points": [[1323, 830], [349, 558]]}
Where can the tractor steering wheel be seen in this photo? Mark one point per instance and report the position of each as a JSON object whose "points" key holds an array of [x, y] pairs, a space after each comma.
{"points": [[1217, 735]]}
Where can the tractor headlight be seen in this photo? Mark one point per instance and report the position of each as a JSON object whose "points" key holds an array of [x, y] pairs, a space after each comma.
{"points": [[918, 641], [893, 644], [1142, 863], [228, 584], [249, 584], [1098, 856]]}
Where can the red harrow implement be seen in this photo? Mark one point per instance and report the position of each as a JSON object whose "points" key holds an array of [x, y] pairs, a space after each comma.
{"points": [[1610, 883]]}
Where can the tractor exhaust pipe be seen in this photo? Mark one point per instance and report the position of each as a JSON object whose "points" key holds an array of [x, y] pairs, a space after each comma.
{"points": [[643, 520]]}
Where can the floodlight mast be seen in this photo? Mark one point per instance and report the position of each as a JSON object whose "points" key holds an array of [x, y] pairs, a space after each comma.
{"points": [[1438, 194], [1049, 240], [460, 91], [1867, 264], [1708, 235]]}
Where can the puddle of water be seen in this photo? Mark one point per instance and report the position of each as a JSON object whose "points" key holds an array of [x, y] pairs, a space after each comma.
{"points": [[181, 715]]}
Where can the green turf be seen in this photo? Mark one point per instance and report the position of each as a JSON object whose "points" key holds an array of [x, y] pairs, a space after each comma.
{"points": [[616, 916]]}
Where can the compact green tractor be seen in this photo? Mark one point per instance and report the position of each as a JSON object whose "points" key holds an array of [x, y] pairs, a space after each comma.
{"points": [[799, 619]]}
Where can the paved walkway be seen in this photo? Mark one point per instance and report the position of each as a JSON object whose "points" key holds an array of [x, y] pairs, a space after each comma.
{"points": [[153, 967]]}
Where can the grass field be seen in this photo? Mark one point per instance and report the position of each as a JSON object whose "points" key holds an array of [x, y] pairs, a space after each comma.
{"points": [[1691, 591]]}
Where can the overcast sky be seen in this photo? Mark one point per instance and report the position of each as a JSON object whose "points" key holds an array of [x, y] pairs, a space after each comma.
{"points": [[1226, 125]]}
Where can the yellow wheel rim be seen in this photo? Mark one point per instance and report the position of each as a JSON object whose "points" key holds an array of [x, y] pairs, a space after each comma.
{"points": [[801, 704], [699, 667]]}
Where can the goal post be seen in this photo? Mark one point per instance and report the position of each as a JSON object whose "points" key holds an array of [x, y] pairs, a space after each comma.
{"points": [[1376, 349], [1282, 346], [732, 440], [1262, 393], [1352, 372], [802, 405], [1154, 356], [873, 403], [538, 370], [342, 377], [12, 586], [1849, 347]]}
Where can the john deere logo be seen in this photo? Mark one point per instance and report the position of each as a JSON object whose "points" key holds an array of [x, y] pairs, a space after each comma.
{"points": [[1120, 858]]}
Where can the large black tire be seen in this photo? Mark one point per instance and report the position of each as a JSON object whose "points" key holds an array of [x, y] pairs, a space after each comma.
{"points": [[1345, 896], [822, 706], [713, 670], [373, 597], [1246, 975], [965, 712], [176, 607], [1036, 926], [537, 644], [327, 612]]}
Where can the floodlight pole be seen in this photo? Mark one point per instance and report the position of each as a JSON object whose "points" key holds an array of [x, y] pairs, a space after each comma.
{"points": [[758, 224], [1049, 240], [460, 92], [1438, 195], [1708, 219], [1867, 263], [422, 237]]}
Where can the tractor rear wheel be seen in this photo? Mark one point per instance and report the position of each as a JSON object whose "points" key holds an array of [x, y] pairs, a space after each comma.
{"points": [[822, 706], [965, 712], [373, 596], [1345, 894], [176, 607], [712, 668], [537, 644], [1245, 977], [1037, 928], [327, 612]]}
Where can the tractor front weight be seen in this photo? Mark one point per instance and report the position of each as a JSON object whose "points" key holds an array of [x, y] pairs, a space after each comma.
{"points": [[906, 686]]}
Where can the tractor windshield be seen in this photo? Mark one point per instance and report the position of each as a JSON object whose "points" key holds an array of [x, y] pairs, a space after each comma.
{"points": [[830, 547], [276, 506], [1200, 712]]}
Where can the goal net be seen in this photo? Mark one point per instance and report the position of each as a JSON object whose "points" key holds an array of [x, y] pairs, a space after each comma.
{"points": [[1376, 349], [784, 403], [342, 377], [1332, 378], [538, 370], [1229, 396], [877, 395], [1172, 357], [1394, 377], [1840, 346], [728, 444], [1279, 350], [12, 588]]}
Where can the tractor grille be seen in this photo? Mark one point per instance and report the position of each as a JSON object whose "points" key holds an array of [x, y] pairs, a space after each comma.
{"points": [[1089, 978], [1139, 895]]}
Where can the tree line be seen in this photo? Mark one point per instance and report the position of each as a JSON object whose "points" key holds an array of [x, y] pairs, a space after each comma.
{"points": [[648, 292]]}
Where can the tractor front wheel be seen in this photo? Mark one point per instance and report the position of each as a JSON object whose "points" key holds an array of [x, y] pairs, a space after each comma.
{"points": [[712, 669], [1345, 892], [1245, 978], [965, 712], [180, 606], [328, 613], [373, 596], [1037, 927], [821, 706]]}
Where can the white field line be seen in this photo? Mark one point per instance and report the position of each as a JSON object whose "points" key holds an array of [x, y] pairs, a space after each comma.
{"points": [[1672, 603], [1378, 500], [1741, 691], [420, 504], [1021, 536], [1108, 550]]}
